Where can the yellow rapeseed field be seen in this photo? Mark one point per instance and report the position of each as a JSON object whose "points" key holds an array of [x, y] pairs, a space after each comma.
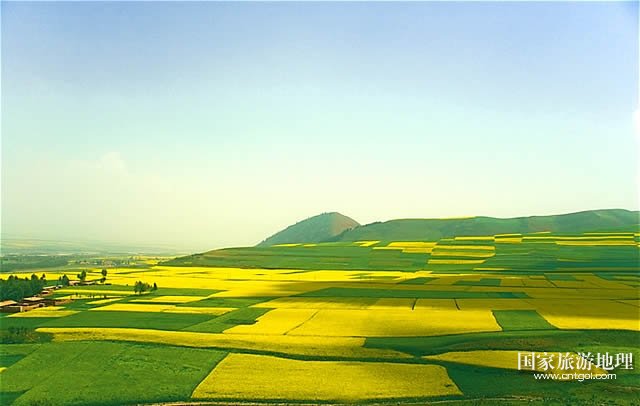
{"points": [[508, 359], [506, 240], [45, 312], [163, 308], [454, 261], [410, 247], [277, 321], [401, 322], [597, 322], [452, 253], [392, 303], [367, 243], [273, 378], [580, 313], [318, 303], [413, 244], [435, 304], [465, 247], [596, 243]]}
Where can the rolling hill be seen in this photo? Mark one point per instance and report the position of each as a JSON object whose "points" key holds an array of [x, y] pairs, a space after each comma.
{"points": [[314, 229], [290, 248], [435, 229]]}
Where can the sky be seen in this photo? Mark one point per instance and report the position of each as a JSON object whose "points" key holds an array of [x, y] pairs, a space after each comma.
{"points": [[209, 124]]}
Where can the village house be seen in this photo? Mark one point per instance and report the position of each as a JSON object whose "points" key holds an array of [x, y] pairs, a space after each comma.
{"points": [[56, 301], [33, 301], [5, 304]]}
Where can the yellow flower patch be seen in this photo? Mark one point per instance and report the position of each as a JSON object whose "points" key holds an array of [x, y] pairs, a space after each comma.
{"points": [[455, 261], [396, 323], [509, 360], [317, 303], [367, 243], [277, 321], [273, 378], [51, 311], [162, 308]]}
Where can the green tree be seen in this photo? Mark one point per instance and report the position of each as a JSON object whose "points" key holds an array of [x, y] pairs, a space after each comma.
{"points": [[82, 276]]}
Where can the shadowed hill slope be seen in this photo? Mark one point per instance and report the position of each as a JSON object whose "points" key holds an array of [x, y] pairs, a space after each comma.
{"points": [[314, 229]]}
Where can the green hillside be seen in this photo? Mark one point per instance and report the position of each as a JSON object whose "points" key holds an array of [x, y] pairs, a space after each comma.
{"points": [[314, 229], [435, 229], [365, 247]]}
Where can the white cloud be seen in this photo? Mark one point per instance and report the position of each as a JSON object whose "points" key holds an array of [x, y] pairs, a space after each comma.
{"points": [[112, 162]]}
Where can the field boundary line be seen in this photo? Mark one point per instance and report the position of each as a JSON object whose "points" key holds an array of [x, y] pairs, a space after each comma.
{"points": [[300, 324]]}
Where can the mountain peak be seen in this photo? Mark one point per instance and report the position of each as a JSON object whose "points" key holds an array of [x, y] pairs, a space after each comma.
{"points": [[313, 229]]}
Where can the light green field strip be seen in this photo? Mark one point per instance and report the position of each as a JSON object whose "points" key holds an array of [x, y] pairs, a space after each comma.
{"points": [[347, 347], [274, 378]]}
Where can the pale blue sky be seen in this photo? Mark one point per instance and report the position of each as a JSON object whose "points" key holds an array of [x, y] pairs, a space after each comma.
{"points": [[216, 124]]}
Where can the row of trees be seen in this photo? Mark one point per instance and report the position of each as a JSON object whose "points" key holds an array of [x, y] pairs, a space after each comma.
{"points": [[140, 287], [15, 288]]}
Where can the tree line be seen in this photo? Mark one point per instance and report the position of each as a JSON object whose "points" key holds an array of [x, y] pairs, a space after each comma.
{"points": [[15, 288]]}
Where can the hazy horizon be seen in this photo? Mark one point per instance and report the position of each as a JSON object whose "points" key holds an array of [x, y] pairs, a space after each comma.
{"points": [[203, 125]]}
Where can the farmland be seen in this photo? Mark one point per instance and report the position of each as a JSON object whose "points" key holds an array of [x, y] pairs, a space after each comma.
{"points": [[332, 322]]}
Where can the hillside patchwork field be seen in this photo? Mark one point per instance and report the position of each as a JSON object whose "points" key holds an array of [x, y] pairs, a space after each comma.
{"points": [[340, 322]]}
